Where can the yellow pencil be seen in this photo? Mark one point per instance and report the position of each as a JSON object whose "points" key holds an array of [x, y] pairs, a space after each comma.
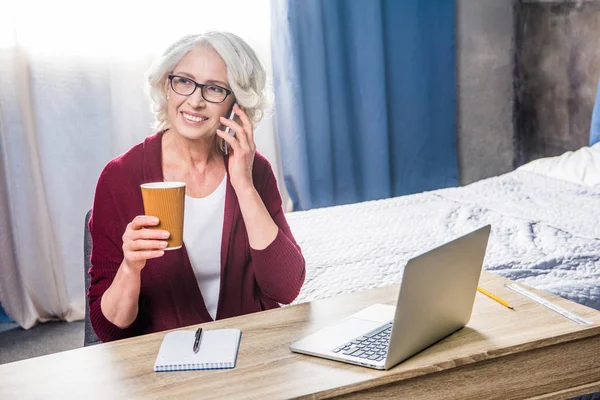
{"points": [[494, 297]]}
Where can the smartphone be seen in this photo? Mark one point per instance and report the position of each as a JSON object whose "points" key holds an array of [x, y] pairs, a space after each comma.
{"points": [[229, 131]]}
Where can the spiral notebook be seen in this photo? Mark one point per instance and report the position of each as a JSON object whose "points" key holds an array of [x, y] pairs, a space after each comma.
{"points": [[218, 350]]}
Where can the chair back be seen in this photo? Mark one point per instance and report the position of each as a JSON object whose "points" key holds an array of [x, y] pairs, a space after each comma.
{"points": [[89, 337]]}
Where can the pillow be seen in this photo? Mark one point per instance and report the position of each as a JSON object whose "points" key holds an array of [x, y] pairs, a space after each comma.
{"points": [[581, 166]]}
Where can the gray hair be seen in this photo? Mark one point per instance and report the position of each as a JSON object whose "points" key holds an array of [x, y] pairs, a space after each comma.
{"points": [[245, 74]]}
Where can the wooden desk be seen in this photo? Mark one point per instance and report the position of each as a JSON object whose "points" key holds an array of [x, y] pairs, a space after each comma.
{"points": [[500, 354]]}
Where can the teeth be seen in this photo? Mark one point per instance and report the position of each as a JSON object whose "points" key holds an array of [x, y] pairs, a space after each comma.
{"points": [[192, 118]]}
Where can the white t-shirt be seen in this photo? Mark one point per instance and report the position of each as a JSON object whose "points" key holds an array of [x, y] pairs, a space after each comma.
{"points": [[202, 233]]}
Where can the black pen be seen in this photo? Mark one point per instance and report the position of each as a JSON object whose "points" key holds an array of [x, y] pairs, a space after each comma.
{"points": [[197, 340]]}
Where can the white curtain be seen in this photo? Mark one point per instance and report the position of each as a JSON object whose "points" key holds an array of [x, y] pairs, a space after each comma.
{"points": [[71, 99]]}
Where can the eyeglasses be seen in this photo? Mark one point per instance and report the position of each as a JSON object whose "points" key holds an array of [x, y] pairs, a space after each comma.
{"points": [[186, 87]]}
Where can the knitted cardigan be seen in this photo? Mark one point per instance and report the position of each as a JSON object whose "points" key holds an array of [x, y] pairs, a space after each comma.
{"points": [[251, 280]]}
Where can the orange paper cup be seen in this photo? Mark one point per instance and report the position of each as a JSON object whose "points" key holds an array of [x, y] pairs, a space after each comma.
{"points": [[166, 201]]}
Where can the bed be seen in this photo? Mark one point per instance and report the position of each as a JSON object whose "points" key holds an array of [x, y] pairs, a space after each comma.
{"points": [[545, 219]]}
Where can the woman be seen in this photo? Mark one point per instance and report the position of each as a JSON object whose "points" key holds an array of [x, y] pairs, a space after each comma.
{"points": [[239, 255]]}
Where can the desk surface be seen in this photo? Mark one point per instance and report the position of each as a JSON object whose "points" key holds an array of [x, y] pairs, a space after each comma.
{"points": [[503, 353]]}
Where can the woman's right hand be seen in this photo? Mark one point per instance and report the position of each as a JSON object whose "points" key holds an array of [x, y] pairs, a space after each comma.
{"points": [[140, 244]]}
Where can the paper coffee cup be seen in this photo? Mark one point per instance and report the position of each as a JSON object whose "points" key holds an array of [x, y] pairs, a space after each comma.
{"points": [[166, 201]]}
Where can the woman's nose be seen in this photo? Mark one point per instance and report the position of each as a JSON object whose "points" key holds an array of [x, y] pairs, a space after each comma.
{"points": [[195, 99]]}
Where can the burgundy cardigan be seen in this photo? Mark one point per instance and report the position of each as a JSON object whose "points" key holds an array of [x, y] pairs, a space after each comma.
{"points": [[251, 280]]}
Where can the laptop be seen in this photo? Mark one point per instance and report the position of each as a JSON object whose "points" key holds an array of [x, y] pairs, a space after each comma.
{"points": [[436, 299]]}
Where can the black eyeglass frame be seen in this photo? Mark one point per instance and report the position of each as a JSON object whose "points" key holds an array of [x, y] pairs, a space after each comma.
{"points": [[199, 85]]}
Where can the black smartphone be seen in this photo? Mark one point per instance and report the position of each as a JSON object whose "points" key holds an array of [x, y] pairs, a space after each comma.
{"points": [[225, 146]]}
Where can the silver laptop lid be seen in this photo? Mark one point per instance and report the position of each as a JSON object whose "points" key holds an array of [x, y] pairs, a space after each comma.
{"points": [[436, 294]]}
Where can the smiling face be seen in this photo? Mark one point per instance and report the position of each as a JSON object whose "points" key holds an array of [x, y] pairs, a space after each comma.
{"points": [[192, 117]]}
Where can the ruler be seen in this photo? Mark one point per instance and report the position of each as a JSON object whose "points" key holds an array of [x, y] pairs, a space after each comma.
{"points": [[546, 303]]}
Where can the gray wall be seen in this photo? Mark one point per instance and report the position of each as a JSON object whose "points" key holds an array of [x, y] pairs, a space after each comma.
{"points": [[558, 66], [527, 73], [485, 64]]}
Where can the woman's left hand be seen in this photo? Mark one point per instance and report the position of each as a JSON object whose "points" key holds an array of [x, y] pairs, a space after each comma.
{"points": [[242, 149]]}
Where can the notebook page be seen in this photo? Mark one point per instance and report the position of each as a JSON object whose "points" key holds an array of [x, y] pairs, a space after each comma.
{"points": [[218, 349]]}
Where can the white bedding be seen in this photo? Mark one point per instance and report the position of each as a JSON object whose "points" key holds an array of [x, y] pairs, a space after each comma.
{"points": [[545, 233]]}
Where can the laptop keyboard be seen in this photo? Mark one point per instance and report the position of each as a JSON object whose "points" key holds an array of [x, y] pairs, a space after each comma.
{"points": [[371, 346]]}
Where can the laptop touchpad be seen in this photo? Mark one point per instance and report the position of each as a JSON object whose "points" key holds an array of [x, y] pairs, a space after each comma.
{"points": [[353, 327], [329, 338]]}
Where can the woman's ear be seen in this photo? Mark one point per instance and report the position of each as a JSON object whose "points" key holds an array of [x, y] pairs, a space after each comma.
{"points": [[166, 87]]}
